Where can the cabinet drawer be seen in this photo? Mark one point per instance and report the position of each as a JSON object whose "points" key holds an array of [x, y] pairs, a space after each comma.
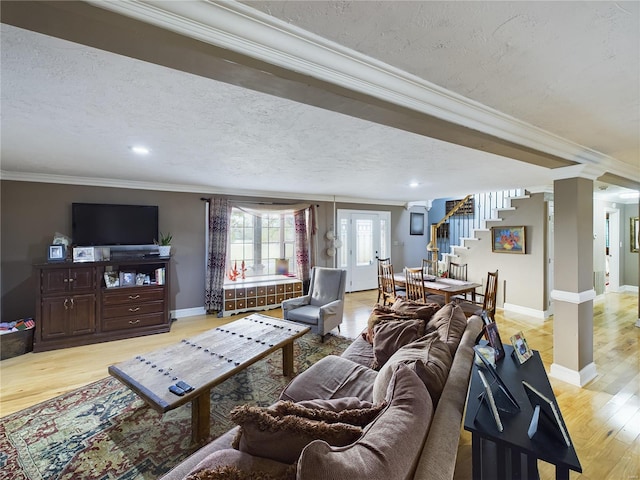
{"points": [[138, 308], [133, 321], [230, 294], [132, 296]]}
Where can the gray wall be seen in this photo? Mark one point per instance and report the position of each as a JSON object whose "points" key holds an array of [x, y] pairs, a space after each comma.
{"points": [[31, 213], [629, 264], [521, 277]]}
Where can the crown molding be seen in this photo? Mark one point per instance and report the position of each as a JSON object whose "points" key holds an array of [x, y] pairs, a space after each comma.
{"points": [[242, 29], [182, 188]]}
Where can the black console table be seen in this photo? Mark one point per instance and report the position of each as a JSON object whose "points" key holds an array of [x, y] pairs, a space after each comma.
{"points": [[511, 454]]}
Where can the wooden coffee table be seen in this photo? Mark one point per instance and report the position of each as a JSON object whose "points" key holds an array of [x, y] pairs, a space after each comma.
{"points": [[205, 361]]}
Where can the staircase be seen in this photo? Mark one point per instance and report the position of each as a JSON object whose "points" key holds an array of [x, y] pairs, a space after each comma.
{"points": [[465, 218]]}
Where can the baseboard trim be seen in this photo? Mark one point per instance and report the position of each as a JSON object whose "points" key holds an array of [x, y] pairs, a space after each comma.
{"points": [[531, 312], [188, 312], [579, 379], [573, 297]]}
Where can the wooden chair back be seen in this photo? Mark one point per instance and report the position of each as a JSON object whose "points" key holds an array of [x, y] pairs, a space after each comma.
{"points": [[490, 293], [414, 281], [427, 268], [388, 284], [458, 271], [381, 261]]}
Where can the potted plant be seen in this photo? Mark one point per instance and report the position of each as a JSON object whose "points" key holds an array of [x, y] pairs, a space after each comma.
{"points": [[164, 244]]}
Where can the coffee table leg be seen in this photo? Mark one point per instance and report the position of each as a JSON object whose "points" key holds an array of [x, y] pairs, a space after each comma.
{"points": [[287, 359], [201, 417]]}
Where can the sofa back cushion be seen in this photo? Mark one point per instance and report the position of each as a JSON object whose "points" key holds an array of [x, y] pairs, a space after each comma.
{"points": [[450, 323], [390, 336], [428, 357], [389, 447]]}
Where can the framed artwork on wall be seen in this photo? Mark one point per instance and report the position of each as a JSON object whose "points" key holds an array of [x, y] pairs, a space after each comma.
{"points": [[635, 234], [508, 239], [416, 224]]}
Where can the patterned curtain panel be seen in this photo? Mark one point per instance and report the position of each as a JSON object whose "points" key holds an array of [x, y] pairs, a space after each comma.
{"points": [[219, 215], [302, 246]]}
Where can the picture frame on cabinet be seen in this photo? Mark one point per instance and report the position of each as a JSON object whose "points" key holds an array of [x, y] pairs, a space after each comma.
{"points": [[111, 279], [56, 253], [84, 254], [127, 278]]}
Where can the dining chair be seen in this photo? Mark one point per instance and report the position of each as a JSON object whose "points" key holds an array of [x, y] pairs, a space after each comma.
{"points": [[427, 268], [381, 261], [389, 290], [458, 271], [489, 299], [414, 281]]}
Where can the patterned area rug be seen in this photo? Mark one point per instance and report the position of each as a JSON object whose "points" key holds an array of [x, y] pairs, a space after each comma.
{"points": [[105, 431]]}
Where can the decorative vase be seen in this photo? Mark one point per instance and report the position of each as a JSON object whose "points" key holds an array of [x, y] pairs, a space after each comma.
{"points": [[164, 250]]}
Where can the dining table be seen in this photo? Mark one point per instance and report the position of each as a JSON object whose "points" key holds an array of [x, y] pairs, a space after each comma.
{"points": [[448, 287]]}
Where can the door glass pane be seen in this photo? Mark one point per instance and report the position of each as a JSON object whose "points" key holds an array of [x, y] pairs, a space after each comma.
{"points": [[364, 242], [384, 248], [343, 235]]}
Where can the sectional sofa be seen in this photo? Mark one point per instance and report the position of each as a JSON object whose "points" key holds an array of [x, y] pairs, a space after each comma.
{"points": [[389, 408]]}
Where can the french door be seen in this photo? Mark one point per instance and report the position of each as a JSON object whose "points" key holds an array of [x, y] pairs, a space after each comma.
{"points": [[364, 237]]}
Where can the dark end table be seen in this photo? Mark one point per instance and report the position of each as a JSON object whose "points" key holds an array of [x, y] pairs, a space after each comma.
{"points": [[511, 454]]}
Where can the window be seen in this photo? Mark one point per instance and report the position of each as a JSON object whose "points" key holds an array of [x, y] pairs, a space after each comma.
{"points": [[260, 241]]}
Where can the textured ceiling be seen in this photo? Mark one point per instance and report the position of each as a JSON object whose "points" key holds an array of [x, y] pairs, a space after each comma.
{"points": [[571, 69]]}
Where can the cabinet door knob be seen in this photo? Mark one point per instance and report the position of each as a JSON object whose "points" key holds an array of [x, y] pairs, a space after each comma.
{"points": [[134, 297], [70, 280], [72, 304], [66, 304], [134, 309], [65, 280], [133, 322]]}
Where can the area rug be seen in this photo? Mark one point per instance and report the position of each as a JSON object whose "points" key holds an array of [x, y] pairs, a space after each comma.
{"points": [[105, 431]]}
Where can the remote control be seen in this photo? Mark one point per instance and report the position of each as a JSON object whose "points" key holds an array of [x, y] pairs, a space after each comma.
{"points": [[184, 386], [177, 390]]}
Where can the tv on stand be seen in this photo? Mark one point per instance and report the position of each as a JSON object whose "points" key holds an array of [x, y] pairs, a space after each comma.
{"points": [[130, 231]]}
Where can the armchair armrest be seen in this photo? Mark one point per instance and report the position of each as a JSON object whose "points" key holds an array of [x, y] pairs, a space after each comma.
{"points": [[292, 303], [332, 308]]}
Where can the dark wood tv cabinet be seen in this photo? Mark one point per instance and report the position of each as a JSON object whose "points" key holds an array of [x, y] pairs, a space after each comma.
{"points": [[75, 307]]}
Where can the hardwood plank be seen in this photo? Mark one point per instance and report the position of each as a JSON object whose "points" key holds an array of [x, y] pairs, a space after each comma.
{"points": [[602, 417]]}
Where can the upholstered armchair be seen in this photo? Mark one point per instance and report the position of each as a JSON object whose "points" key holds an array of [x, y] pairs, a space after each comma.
{"points": [[322, 308]]}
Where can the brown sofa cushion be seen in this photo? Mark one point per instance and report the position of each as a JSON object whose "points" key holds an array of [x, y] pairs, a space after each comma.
{"points": [[350, 411], [428, 357], [415, 309], [239, 465], [402, 309], [282, 431], [390, 336], [450, 322], [390, 445], [331, 377]]}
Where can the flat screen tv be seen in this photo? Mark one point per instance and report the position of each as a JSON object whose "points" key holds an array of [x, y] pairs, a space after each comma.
{"points": [[95, 224]]}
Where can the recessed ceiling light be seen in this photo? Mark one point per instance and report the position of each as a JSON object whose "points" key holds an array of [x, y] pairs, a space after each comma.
{"points": [[414, 184], [139, 150]]}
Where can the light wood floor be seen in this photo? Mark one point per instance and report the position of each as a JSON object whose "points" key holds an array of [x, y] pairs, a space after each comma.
{"points": [[603, 418]]}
